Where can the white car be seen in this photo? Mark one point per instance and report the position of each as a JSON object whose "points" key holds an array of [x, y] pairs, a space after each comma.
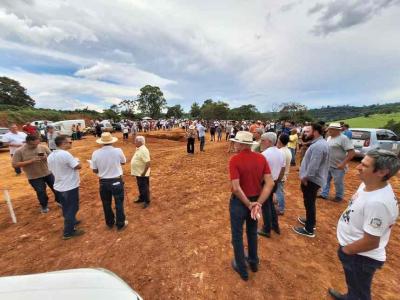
{"points": [[76, 284], [3, 131]]}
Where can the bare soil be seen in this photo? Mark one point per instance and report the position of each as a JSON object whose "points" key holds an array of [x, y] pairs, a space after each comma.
{"points": [[180, 248]]}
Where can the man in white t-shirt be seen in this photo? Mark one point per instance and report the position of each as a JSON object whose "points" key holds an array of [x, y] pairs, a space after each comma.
{"points": [[364, 228], [276, 162], [65, 169], [106, 163], [14, 139], [280, 185]]}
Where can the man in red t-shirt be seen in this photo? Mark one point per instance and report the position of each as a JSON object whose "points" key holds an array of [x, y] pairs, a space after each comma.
{"points": [[252, 184], [29, 129]]}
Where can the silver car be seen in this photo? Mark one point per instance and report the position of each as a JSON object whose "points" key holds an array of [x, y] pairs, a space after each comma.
{"points": [[365, 139]]}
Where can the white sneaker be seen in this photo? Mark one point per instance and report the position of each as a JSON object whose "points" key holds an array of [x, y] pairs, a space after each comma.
{"points": [[44, 210]]}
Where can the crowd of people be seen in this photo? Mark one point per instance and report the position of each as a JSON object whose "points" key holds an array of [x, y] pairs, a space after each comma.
{"points": [[264, 153]]}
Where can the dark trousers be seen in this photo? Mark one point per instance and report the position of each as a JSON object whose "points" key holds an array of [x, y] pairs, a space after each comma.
{"points": [[126, 136], [212, 133], [270, 217], [143, 183], [202, 142], [110, 188], [190, 145], [239, 214], [17, 170], [359, 271], [40, 187], [70, 206], [309, 196]]}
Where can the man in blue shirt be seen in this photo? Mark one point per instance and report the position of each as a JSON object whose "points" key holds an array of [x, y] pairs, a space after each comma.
{"points": [[346, 131], [202, 133]]}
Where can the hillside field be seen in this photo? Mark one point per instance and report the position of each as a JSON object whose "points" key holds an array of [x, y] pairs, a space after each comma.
{"points": [[373, 121]]}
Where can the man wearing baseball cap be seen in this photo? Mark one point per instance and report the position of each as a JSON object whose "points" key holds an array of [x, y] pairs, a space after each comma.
{"points": [[251, 183], [106, 163], [341, 152]]}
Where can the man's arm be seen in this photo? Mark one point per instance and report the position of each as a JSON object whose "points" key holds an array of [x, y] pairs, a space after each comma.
{"points": [[17, 161], [281, 174], [348, 158], [238, 192], [146, 168], [367, 243], [267, 188]]}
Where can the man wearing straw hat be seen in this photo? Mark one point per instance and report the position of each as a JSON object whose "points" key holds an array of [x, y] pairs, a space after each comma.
{"points": [[140, 168], [191, 138], [248, 171], [106, 163]]}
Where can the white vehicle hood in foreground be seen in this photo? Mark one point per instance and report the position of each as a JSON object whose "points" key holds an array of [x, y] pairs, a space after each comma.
{"points": [[76, 284]]}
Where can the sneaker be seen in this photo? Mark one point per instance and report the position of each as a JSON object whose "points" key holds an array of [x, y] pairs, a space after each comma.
{"points": [[76, 233], [138, 201], [44, 210], [123, 227], [245, 276], [303, 231], [264, 233], [302, 221], [77, 222], [336, 295], [146, 204], [322, 197], [277, 230]]}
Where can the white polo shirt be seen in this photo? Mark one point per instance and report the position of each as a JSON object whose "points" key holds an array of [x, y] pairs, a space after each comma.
{"points": [[14, 138], [107, 161], [62, 164], [372, 212], [276, 161]]}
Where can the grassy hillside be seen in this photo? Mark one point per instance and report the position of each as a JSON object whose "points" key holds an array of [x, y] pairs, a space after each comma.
{"points": [[373, 121]]}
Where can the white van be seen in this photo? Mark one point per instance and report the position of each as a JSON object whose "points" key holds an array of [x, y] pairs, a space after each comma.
{"points": [[65, 127]]}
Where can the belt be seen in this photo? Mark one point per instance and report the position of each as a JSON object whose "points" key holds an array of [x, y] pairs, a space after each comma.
{"points": [[110, 179]]}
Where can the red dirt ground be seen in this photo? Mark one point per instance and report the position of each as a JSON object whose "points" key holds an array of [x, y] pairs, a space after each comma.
{"points": [[179, 248]]}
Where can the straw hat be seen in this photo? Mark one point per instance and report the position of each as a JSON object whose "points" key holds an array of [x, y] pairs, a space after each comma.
{"points": [[243, 137], [335, 126], [106, 138]]}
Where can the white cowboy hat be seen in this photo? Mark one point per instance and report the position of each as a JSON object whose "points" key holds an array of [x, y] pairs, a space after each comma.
{"points": [[106, 138], [335, 126], [243, 137]]}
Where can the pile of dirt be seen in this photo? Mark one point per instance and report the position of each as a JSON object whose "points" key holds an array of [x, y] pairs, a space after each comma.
{"points": [[180, 247], [178, 136]]}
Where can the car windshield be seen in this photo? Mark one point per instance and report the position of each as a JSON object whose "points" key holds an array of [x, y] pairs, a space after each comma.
{"points": [[360, 135], [3, 130]]}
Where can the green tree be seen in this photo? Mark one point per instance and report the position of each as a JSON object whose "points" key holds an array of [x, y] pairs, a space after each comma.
{"points": [[211, 110], [127, 108], [12, 93], [151, 101], [175, 111], [244, 112], [195, 110], [111, 113]]}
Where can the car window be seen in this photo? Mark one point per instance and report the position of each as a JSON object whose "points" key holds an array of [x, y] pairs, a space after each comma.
{"points": [[360, 135], [382, 135], [3, 131], [391, 136]]}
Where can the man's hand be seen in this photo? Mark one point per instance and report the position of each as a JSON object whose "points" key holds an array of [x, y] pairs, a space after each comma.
{"points": [[341, 166], [255, 208], [304, 181], [35, 159]]}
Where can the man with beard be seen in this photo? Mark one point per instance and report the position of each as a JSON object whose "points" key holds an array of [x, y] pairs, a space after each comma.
{"points": [[313, 175]]}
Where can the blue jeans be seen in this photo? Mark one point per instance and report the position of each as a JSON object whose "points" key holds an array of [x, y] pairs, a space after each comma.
{"points": [[39, 185], [202, 142], [338, 178], [70, 206], [280, 196], [359, 271], [293, 161], [110, 188], [239, 214]]}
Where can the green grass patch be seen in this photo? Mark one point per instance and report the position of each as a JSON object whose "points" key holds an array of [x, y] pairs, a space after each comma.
{"points": [[372, 121]]}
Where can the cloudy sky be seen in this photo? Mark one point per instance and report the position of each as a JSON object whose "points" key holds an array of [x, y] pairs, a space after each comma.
{"points": [[74, 53]]}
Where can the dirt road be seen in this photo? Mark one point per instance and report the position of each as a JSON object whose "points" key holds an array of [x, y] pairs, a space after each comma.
{"points": [[179, 248]]}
